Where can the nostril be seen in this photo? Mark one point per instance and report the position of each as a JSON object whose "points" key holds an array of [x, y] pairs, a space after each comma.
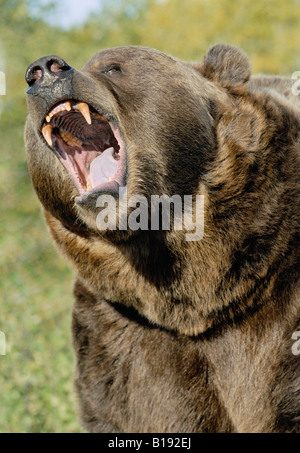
{"points": [[34, 75], [54, 67], [57, 66]]}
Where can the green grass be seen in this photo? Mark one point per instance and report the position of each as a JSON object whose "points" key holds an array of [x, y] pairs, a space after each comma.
{"points": [[37, 372]]}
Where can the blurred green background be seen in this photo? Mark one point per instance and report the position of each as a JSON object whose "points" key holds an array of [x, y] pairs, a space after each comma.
{"points": [[36, 374]]}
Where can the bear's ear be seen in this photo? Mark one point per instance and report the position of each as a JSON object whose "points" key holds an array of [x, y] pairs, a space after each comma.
{"points": [[225, 64]]}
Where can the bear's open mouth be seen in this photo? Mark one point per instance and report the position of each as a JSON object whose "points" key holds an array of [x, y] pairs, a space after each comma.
{"points": [[89, 146]]}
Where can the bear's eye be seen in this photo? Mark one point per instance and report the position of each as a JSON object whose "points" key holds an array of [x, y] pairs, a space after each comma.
{"points": [[113, 69]]}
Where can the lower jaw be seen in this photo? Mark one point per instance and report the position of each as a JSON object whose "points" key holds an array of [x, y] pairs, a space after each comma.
{"points": [[110, 187]]}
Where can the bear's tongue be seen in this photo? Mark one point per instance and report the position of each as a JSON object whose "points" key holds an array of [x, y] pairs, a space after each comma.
{"points": [[103, 168]]}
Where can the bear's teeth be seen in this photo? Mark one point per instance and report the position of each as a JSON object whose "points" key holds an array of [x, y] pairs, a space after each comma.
{"points": [[83, 108], [47, 133], [69, 139], [68, 106], [59, 108], [85, 111], [101, 117], [88, 183]]}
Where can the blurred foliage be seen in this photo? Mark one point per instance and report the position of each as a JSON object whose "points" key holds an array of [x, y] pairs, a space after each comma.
{"points": [[36, 375]]}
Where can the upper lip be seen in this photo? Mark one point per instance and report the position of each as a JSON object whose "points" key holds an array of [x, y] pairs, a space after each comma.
{"points": [[78, 142]]}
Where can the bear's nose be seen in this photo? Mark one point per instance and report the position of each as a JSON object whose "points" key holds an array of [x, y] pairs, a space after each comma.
{"points": [[48, 68]]}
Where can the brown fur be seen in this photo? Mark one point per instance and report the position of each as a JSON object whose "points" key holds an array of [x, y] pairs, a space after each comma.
{"points": [[170, 335]]}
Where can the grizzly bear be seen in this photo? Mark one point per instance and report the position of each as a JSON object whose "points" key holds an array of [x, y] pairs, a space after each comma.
{"points": [[174, 333]]}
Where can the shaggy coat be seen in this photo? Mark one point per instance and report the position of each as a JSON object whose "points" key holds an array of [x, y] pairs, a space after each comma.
{"points": [[174, 335]]}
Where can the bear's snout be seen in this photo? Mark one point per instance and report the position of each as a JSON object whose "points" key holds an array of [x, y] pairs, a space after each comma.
{"points": [[45, 71]]}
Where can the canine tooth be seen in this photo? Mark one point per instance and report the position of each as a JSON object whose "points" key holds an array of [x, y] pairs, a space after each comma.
{"points": [[47, 133], [85, 110], [48, 118]]}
